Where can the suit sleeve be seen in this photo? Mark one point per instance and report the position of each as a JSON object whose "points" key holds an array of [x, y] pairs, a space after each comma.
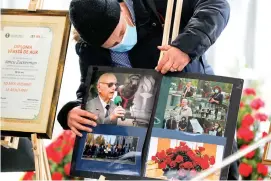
{"points": [[209, 19], [63, 113]]}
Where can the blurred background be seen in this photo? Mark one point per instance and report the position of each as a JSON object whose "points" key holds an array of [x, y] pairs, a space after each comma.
{"points": [[242, 51]]}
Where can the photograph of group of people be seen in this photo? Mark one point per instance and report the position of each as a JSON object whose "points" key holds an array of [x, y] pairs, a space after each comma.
{"points": [[110, 148], [197, 106], [122, 98]]}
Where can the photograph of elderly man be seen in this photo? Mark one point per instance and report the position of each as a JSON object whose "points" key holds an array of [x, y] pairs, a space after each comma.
{"points": [[102, 105]]}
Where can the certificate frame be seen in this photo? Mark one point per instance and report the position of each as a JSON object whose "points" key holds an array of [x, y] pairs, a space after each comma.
{"points": [[267, 148], [57, 21]]}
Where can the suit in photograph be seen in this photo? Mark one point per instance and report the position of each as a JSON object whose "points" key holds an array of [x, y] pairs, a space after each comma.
{"points": [[95, 106]]}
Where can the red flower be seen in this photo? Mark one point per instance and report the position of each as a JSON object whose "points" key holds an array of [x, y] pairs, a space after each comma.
{"points": [[261, 117], [264, 134], [162, 155], [206, 158], [212, 160], [162, 165], [257, 104], [247, 120], [245, 134], [245, 169], [169, 151], [191, 154], [241, 105], [250, 91], [188, 165], [66, 149], [172, 164], [168, 160], [182, 143], [204, 164], [57, 176], [260, 178], [179, 159], [28, 176], [154, 158], [55, 156], [201, 149], [262, 169], [250, 154], [67, 168]]}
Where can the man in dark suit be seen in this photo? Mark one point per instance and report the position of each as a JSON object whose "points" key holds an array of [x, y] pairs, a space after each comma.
{"points": [[102, 105]]}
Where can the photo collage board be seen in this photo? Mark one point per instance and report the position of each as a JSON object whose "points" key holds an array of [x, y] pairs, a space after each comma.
{"points": [[154, 126]]}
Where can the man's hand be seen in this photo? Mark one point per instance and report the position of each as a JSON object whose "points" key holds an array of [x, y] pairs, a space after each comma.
{"points": [[76, 120], [173, 59], [117, 113]]}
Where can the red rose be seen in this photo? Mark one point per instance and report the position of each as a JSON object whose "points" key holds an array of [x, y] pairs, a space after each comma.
{"points": [[250, 91], [257, 104], [182, 143], [66, 149], [206, 158], [247, 120], [168, 160], [67, 168], [57, 176], [245, 169], [201, 149], [204, 164], [188, 165], [179, 159], [57, 157], [172, 164], [162, 165], [245, 134], [191, 154], [169, 151], [250, 154], [241, 105], [212, 160], [262, 169], [28, 176], [162, 155], [261, 117], [154, 158], [264, 134]]}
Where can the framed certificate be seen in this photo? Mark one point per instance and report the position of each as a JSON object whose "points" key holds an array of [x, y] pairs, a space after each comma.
{"points": [[267, 152], [33, 51]]}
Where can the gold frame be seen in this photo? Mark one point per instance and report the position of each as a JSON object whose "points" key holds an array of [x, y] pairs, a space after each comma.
{"points": [[267, 148], [43, 130]]}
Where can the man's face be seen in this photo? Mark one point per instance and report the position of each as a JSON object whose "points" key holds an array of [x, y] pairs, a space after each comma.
{"points": [[107, 86], [189, 84], [117, 35], [184, 103]]}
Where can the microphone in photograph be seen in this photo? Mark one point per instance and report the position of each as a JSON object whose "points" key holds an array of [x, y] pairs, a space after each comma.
{"points": [[118, 101]]}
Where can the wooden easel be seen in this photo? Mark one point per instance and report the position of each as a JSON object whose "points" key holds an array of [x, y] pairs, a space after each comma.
{"points": [[42, 168]]}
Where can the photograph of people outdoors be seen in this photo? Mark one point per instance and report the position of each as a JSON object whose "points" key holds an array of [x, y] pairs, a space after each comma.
{"points": [[197, 106], [122, 98], [110, 148], [181, 160]]}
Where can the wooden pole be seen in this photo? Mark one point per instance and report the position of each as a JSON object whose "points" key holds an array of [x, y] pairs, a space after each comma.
{"points": [[177, 19]]}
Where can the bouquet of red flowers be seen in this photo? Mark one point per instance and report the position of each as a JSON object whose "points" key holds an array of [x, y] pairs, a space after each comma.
{"points": [[249, 118], [183, 162], [59, 154]]}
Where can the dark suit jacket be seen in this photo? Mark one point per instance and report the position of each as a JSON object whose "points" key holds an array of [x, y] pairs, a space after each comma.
{"points": [[95, 106]]}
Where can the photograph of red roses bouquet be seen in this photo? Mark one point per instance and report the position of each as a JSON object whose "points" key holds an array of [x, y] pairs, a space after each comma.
{"points": [[182, 162]]}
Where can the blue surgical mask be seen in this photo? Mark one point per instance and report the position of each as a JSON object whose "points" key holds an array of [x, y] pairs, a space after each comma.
{"points": [[128, 41]]}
